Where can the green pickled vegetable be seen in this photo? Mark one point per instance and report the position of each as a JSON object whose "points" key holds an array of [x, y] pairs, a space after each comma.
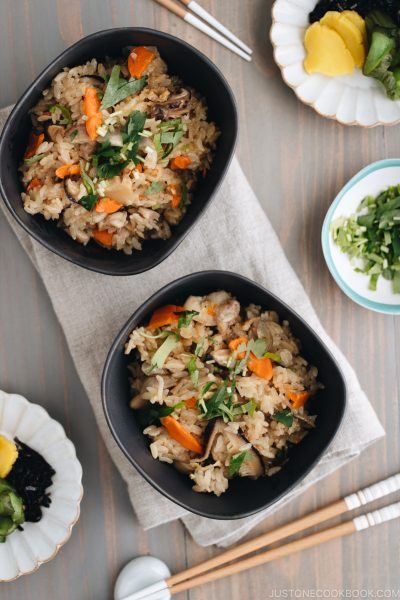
{"points": [[384, 52], [11, 510]]}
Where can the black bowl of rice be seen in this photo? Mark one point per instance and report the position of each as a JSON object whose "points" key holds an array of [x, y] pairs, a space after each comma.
{"points": [[220, 395], [117, 148]]}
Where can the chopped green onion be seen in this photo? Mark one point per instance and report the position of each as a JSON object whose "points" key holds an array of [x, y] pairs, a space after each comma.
{"points": [[161, 354], [33, 159]]}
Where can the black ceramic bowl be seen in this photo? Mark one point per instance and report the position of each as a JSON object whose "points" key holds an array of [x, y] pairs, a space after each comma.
{"points": [[196, 70], [244, 496]]}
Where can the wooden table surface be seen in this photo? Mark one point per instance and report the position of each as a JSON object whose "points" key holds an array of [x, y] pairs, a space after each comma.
{"points": [[297, 162]]}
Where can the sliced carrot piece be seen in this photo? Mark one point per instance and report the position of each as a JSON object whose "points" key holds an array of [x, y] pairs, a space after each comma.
{"points": [[165, 315], [103, 236], [139, 60], [234, 344], [176, 196], [91, 108], [34, 183], [91, 102], [191, 402], [139, 167], [107, 205], [298, 398], [211, 310], [176, 200], [92, 124], [179, 162], [181, 435], [66, 170], [33, 144], [262, 367]]}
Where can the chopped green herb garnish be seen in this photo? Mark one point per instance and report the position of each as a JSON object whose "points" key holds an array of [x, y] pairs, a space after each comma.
{"points": [[154, 188], [236, 462], [111, 160], [221, 403], [73, 135], [249, 407], [88, 201], [284, 416], [171, 133], [204, 390], [185, 317], [154, 412], [65, 112], [259, 348], [275, 357], [118, 88], [372, 239], [87, 181], [193, 371], [213, 405], [108, 161], [199, 348], [33, 159]]}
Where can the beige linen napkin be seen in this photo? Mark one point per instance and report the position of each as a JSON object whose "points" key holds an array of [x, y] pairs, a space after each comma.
{"points": [[210, 245]]}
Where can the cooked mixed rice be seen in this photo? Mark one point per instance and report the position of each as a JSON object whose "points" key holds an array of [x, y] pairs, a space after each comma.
{"points": [[115, 151], [221, 390]]}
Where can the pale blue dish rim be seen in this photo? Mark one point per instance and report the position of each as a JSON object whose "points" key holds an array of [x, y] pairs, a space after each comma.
{"points": [[388, 309]]}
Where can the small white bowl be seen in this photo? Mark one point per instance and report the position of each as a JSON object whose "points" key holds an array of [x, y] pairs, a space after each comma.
{"points": [[350, 99], [24, 551], [371, 180]]}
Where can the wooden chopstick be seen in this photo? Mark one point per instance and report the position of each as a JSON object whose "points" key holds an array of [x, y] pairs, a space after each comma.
{"points": [[361, 498], [363, 522], [181, 12], [206, 16]]}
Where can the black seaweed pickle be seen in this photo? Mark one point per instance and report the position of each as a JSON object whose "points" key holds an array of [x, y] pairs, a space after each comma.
{"points": [[30, 476], [363, 7]]}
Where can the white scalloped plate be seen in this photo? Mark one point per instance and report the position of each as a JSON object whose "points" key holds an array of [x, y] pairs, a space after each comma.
{"points": [[350, 99], [24, 551]]}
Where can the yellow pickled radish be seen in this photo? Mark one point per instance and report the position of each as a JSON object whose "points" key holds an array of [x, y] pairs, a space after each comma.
{"points": [[358, 21], [8, 456], [349, 32], [326, 52]]}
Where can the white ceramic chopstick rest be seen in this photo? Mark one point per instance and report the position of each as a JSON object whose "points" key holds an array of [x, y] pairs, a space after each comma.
{"points": [[373, 492], [143, 577], [206, 16], [376, 517]]}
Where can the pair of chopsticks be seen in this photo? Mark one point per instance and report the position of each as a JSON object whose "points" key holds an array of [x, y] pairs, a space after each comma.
{"points": [[203, 573], [227, 39]]}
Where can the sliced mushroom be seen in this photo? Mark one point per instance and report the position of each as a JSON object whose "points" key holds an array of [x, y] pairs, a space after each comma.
{"points": [[252, 466], [219, 438], [213, 430], [72, 189], [53, 131], [183, 467], [81, 137], [92, 80], [177, 105]]}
